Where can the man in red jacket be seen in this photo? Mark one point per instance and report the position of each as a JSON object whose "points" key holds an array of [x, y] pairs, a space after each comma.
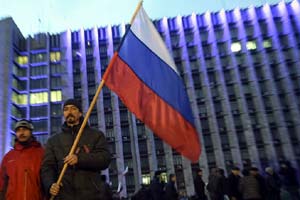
{"points": [[20, 167]]}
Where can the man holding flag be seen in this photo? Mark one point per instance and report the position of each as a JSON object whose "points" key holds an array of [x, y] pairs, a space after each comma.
{"points": [[82, 180]]}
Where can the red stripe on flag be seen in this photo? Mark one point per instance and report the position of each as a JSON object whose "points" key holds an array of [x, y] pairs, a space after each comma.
{"points": [[164, 121]]}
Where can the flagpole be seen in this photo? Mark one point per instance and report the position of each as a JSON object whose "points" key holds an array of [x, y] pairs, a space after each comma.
{"points": [[58, 182], [136, 11]]}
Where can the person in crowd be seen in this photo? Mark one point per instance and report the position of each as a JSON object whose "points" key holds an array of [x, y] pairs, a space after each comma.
{"points": [[82, 179], [157, 187], [272, 184], [200, 186], [289, 179], [249, 186], [215, 185], [261, 181], [232, 184], [170, 189], [142, 194], [20, 167]]}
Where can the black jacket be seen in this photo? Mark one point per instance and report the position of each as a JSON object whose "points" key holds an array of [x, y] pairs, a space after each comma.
{"points": [[200, 187], [171, 192], [83, 180]]}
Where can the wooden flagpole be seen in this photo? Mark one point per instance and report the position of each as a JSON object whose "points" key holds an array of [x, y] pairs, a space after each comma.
{"points": [[58, 182]]}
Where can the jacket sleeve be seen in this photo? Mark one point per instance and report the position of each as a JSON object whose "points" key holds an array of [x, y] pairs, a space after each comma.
{"points": [[3, 180], [98, 158], [49, 167]]}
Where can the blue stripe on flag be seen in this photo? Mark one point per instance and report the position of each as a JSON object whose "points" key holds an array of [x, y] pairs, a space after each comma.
{"points": [[156, 74]]}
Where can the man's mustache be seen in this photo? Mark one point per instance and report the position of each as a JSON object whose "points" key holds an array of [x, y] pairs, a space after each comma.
{"points": [[70, 115]]}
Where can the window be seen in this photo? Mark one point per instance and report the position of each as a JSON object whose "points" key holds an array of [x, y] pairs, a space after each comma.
{"points": [[56, 96], [55, 124], [39, 97], [195, 65], [20, 85], [109, 133], [241, 59], [38, 111], [189, 38], [18, 71], [222, 48], [55, 56], [146, 179], [234, 32], [126, 150], [192, 51], [196, 79], [21, 60], [218, 107], [57, 69], [246, 88], [219, 34], [228, 76], [204, 35], [212, 77], [177, 160], [215, 92], [38, 71], [221, 122], [202, 109], [89, 51], [56, 82], [207, 50], [267, 43], [234, 105], [140, 130], [38, 83], [251, 45], [250, 30], [236, 47], [20, 99], [56, 110], [230, 90], [143, 147], [199, 93], [18, 112], [36, 58], [123, 116], [40, 125], [125, 131], [225, 61]]}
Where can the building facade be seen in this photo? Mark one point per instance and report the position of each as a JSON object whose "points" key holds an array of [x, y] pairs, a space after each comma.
{"points": [[240, 68]]}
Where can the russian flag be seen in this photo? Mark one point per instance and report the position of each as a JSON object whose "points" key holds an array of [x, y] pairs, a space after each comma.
{"points": [[144, 76]]}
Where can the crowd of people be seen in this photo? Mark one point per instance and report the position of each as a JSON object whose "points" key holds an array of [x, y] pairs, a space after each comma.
{"points": [[249, 184]]}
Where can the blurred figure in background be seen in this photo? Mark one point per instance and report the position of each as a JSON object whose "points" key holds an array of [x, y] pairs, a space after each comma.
{"points": [[170, 190], [200, 186], [289, 180], [249, 186], [272, 185], [232, 184]]}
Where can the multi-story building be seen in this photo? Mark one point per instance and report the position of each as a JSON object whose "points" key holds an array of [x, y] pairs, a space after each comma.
{"points": [[240, 67]]}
